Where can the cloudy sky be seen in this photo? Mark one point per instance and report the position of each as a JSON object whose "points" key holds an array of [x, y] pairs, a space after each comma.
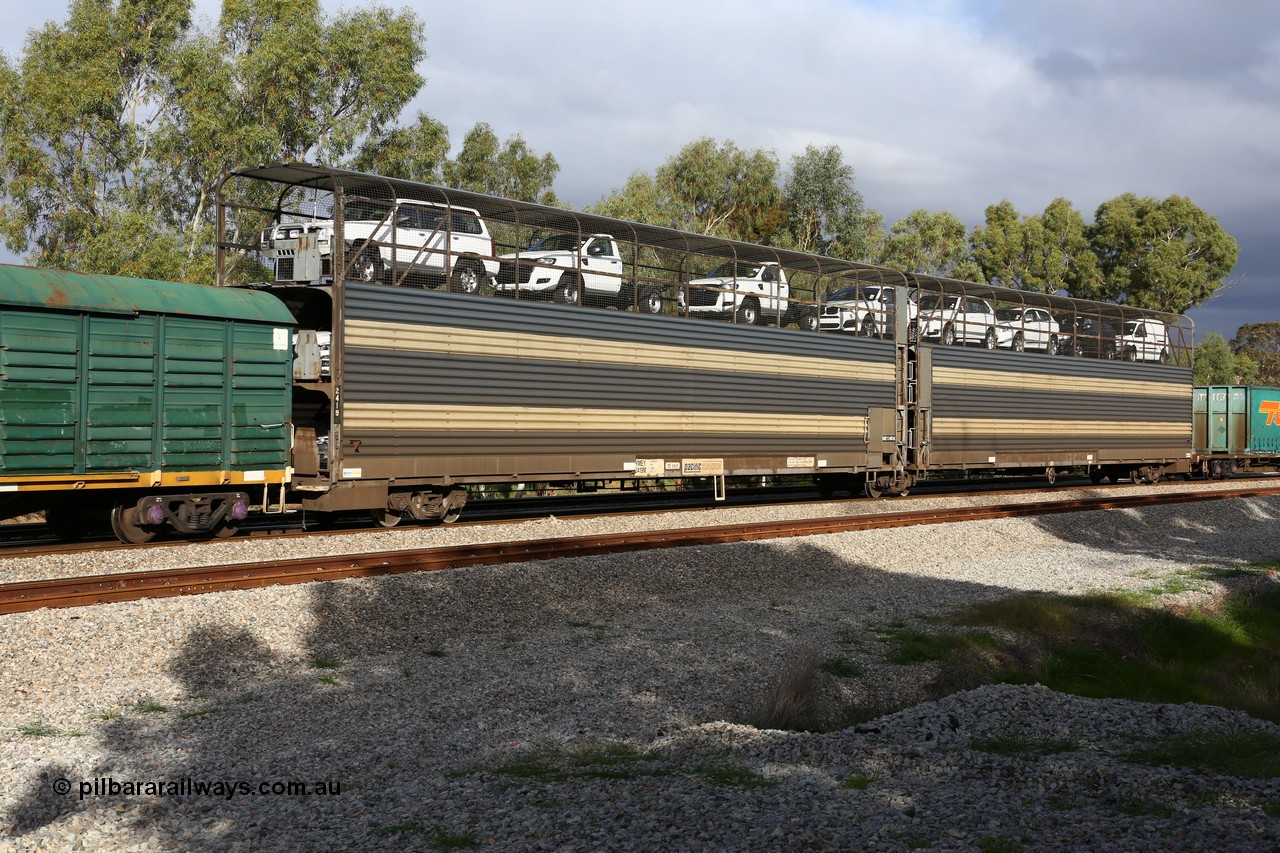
{"points": [[940, 104]]}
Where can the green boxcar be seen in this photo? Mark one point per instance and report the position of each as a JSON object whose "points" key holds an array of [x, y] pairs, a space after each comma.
{"points": [[108, 382], [1236, 420]]}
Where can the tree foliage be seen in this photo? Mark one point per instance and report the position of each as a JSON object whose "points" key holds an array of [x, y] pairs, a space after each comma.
{"points": [[931, 243], [116, 126], [510, 170], [1260, 342], [1216, 364], [826, 215], [1168, 255], [1046, 252], [707, 188]]}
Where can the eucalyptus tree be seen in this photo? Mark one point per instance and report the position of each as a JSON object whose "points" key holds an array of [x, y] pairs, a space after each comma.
{"points": [[1261, 343], [931, 243], [1169, 255], [1217, 364], [117, 124]]}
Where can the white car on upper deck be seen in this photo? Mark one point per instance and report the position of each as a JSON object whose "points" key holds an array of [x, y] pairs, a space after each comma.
{"points": [[431, 242], [567, 268]]}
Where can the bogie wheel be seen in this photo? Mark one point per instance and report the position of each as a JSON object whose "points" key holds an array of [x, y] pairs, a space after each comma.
{"points": [[990, 340], [567, 291], [465, 279], [873, 489], [127, 528], [1018, 344], [652, 302], [948, 335], [451, 515], [869, 329], [385, 517], [1097, 475], [749, 313]]}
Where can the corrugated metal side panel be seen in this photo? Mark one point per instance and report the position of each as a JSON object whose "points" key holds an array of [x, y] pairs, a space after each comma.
{"points": [[722, 395], [120, 421], [194, 395], [260, 399], [1264, 414], [992, 403], [39, 393]]}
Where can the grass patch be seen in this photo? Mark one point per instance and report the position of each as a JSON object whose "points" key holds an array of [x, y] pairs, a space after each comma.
{"points": [[857, 782], [1113, 646], [997, 844], [436, 652], [39, 730], [1016, 746], [152, 708], [1254, 755], [326, 663], [109, 714], [198, 712], [326, 679], [840, 667], [735, 775], [437, 836]]}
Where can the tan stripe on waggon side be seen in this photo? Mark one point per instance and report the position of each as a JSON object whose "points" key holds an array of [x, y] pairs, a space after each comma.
{"points": [[435, 418], [406, 337], [1060, 384], [1101, 429]]}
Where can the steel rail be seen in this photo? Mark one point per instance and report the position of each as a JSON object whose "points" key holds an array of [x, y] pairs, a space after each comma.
{"points": [[128, 586]]}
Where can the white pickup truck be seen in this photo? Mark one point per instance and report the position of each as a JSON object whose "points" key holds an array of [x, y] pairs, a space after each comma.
{"points": [[430, 242], [750, 293], [566, 269]]}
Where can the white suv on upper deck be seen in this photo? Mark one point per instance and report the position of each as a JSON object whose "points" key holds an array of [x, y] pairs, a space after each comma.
{"points": [[433, 242]]}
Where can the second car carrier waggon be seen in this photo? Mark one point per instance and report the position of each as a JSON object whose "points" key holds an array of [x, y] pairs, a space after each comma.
{"points": [[425, 391]]}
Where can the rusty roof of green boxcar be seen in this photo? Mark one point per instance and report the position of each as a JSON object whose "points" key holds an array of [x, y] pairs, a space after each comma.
{"points": [[33, 287]]}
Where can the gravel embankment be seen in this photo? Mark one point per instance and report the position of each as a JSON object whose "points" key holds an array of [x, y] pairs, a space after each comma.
{"points": [[603, 703]]}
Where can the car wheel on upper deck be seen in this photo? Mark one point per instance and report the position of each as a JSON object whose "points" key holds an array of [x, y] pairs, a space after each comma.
{"points": [[566, 293], [749, 313], [1017, 345], [652, 301], [869, 329], [948, 336], [989, 342], [466, 278], [368, 267]]}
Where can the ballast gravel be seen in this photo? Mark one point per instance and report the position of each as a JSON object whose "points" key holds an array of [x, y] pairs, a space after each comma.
{"points": [[607, 703]]}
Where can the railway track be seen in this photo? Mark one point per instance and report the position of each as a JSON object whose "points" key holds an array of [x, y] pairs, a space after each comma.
{"points": [[83, 591]]}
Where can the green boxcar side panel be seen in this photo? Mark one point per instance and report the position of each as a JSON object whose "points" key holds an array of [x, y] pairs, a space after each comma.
{"points": [[83, 393], [119, 430], [194, 405], [39, 398], [260, 398]]}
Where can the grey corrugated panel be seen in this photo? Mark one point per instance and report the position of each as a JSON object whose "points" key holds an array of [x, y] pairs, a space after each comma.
{"points": [[397, 377], [976, 358], [425, 307], [374, 443], [1012, 402]]}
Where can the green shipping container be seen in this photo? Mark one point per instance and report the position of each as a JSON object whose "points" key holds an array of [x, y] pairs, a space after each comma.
{"points": [[1236, 419], [103, 374]]}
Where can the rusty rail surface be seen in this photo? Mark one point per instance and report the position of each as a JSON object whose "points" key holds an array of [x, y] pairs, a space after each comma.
{"points": [[129, 586]]}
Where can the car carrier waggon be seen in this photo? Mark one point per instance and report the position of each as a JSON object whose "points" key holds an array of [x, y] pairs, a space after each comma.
{"points": [[428, 391], [313, 376]]}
